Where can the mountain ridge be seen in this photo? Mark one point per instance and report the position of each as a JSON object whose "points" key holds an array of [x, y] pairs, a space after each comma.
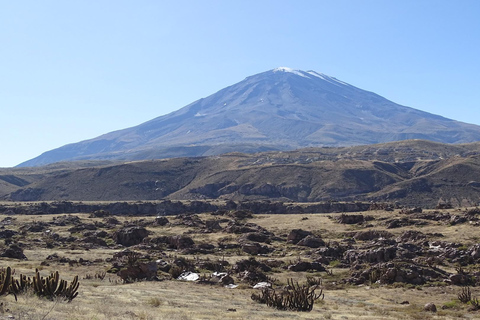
{"points": [[412, 173], [280, 109]]}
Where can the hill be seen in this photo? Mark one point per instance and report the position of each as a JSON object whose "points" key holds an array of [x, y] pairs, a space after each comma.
{"points": [[413, 172]]}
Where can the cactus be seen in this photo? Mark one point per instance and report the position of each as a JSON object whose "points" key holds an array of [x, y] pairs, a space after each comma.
{"points": [[52, 286], [5, 280], [295, 297]]}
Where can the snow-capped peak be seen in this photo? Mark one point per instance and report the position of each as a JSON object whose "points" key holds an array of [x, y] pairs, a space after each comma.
{"points": [[327, 78], [290, 70]]}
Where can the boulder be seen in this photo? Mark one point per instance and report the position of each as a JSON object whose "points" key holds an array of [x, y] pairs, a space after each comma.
{"points": [[296, 235], [139, 271], [351, 218], [256, 237], [130, 236], [14, 251], [311, 241], [430, 307], [378, 255], [411, 236], [7, 234], [305, 266], [255, 248], [181, 242], [372, 235], [213, 225], [161, 221]]}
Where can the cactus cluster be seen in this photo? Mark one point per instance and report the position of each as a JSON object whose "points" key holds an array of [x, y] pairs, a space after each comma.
{"points": [[295, 297], [50, 287]]}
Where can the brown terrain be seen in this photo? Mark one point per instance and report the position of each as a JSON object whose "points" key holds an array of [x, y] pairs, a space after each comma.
{"points": [[411, 173], [385, 231], [384, 262]]}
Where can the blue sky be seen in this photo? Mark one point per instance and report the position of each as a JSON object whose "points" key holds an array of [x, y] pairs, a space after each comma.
{"points": [[73, 70]]}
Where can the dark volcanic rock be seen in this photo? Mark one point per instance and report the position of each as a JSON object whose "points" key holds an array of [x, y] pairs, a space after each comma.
{"points": [[181, 242], [255, 248], [161, 221], [14, 251], [372, 235], [352, 218], [305, 266], [256, 237], [296, 235], [130, 236], [6, 234], [311, 241], [378, 255], [139, 271]]}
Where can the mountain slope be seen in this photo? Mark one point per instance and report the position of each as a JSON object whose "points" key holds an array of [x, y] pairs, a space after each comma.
{"points": [[281, 109]]}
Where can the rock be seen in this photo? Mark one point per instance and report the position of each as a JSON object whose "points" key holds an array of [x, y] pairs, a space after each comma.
{"points": [[14, 251], [95, 240], [311, 241], [351, 218], [181, 242], [255, 248], [411, 235], [213, 225], [430, 307], [256, 237], [35, 227], [296, 235], [475, 251], [227, 280], [189, 220], [333, 252], [163, 265], [66, 220], [410, 211], [460, 279], [111, 221], [454, 219], [161, 221], [250, 264], [139, 271], [235, 227], [253, 276], [240, 214], [372, 235], [7, 234], [305, 266], [99, 214], [83, 227], [130, 236], [371, 256]]}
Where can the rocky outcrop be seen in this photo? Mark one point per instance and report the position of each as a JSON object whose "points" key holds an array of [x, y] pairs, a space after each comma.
{"points": [[130, 236], [14, 251], [311, 241], [296, 235]]}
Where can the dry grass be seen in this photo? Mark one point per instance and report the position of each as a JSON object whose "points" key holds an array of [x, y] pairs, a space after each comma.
{"points": [[110, 299]]}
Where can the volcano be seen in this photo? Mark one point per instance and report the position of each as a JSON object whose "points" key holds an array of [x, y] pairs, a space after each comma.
{"points": [[280, 109]]}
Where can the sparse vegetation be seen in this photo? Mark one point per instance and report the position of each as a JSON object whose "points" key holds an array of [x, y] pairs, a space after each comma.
{"points": [[227, 274]]}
